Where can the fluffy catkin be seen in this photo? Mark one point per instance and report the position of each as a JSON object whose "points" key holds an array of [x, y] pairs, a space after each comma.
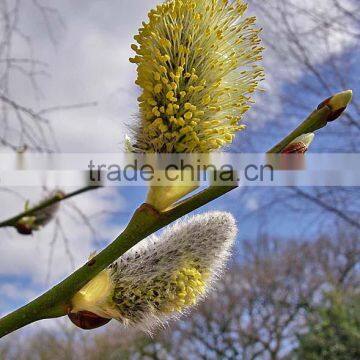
{"points": [[164, 276], [197, 68]]}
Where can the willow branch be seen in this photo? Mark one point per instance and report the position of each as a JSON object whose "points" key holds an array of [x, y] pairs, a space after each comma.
{"points": [[146, 220]]}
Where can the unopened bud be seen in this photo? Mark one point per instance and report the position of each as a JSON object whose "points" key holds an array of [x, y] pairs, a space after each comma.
{"points": [[164, 196], [300, 145], [87, 320], [337, 104], [38, 219]]}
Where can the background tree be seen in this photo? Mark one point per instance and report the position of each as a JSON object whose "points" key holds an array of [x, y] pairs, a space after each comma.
{"points": [[21, 72], [258, 311], [334, 330]]}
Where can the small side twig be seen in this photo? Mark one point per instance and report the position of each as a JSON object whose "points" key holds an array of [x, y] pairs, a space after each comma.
{"points": [[54, 200], [328, 111]]}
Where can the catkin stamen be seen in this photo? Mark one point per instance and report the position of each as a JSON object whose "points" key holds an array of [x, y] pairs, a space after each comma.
{"points": [[197, 63]]}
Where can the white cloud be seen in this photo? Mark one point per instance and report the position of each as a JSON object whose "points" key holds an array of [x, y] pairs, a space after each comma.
{"points": [[15, 292], [89, 64], [252, 204]]}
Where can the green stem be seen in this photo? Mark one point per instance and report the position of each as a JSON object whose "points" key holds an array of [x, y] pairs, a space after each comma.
{"points": [[313, 122], [55, 199], [146, 220], [329, 110]]}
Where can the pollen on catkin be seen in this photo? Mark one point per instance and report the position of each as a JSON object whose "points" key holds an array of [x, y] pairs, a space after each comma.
{"points": [[163, 276], [197, 68]]}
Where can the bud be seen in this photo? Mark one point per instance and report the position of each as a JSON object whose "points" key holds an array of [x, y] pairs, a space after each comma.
{"points": [[329, 110], [160, 277], [37, 220], [87, 320], [162, 197], [337, 104], [300, 145]]}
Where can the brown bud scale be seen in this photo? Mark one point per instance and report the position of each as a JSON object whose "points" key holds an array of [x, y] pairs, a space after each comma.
{"points": [[87, 320], [324, 103], [296, 148], [335, 114], [23, 229]]}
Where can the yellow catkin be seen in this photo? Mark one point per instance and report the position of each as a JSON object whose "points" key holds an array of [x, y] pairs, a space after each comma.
{"points": [[167, 294], [164, 276], [197, 59]]}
